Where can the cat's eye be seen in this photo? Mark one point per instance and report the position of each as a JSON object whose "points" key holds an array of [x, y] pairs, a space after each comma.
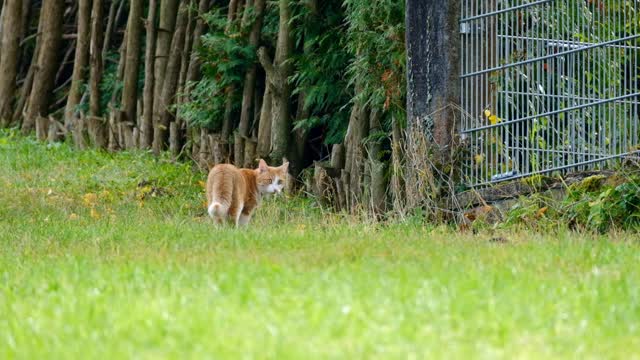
{"points": [[279, 182], [269, 181]]}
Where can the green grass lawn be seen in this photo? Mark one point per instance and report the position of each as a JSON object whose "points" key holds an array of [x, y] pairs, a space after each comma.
{"points": [[111, 256]]}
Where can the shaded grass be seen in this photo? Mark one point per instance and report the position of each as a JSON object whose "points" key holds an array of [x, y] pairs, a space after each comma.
{"points": [[106, 256]]}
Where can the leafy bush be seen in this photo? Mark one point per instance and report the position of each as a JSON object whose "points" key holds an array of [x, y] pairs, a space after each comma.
{"points": [[225, 58], [611, 206], [597, 203]]}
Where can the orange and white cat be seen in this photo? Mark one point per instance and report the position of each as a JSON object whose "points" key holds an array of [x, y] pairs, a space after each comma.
{"points": [[233, 194]]}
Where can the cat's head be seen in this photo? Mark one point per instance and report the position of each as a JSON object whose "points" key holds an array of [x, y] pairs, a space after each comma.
{"points": [[271, 180]]}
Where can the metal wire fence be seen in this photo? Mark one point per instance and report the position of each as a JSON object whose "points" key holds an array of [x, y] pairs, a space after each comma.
{"points": [[547, 86]]}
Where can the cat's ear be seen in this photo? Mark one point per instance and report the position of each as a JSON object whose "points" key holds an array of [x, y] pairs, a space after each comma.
{"points": [[285, 167], [262, 166]]}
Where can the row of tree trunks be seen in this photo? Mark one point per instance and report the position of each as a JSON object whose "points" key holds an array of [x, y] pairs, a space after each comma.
{"points": [[263, 109], [170, 65]]}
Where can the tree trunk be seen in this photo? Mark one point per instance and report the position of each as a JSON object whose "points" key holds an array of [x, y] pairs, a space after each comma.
{"points": [[264, 125], [23, 98], [376, 167], [193, 73], [43, 81], [278, 74], [186, 51], [96, 125], [112, 18], [164, 115], [2, 11], [433, 25], [146, 129], [181, 98], [397, 186], [79, 68], [120, 71], [25, 53], [249, 154], [238, 150], [231, 14], [234, 9], [250, 77], [300, 135], [31, 60], [355, 153], [166, 26], [132, 66], [11, 30]]}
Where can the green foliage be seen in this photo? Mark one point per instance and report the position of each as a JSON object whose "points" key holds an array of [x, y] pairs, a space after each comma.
{"points": [[342, 42], [597, 203], [376, 33], [320, 68], [225, 59], [611, 206]]}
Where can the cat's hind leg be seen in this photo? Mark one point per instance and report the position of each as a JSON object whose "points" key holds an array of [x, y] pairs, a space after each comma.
{"points": [[243, 220], [218, 212], [235, 213]]}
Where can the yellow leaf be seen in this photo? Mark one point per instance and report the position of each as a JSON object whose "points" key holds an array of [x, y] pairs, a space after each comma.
{"points": [[202, 184], [494, 119], [94, 214], [479, 158], [487, 113], [542, 211], [74, 216], [90, 199]]}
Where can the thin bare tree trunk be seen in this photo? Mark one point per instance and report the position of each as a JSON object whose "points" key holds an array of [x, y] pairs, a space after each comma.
{"points": [[132, 65], [300, 135], [166, 26], [11, 30], [355, 153], [146, 130], [25, 91], [2, 11], [163, 113], [186, 52], [264, 126], [79, 69], [112, 20], [250, 77], [238, 150], [233, 12], [278, 73], [376, 167], [96, 124], [43, 81], [397, 186], [120, 70], [194, 64]]}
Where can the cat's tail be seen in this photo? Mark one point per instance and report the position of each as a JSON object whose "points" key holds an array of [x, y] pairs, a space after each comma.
{"points": [[218, 209]]}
